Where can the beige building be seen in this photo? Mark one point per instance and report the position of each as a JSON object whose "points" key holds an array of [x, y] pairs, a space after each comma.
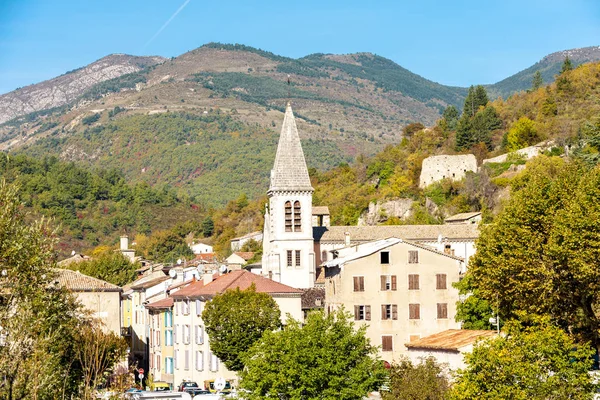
{"points": [[401, 290], [192, 358], [160, 340], [103, 299]]}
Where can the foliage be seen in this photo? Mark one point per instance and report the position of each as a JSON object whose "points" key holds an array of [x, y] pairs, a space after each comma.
{"points": [[110, 266], [412, 128], [537, 81], [523, 133], [235, 320], [326, 358], [90, 119], [530, 362], [254, 247], [477, 129], [472, 311], [165, 246], [450, 116], [476, 98], [426, 380], [208, 226], [115, 85]]}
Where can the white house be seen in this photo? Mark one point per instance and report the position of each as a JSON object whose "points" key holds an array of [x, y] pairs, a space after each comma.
{"points": [[201, 248]]}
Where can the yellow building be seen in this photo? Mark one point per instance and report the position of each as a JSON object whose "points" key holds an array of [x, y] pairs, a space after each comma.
{"points": [[161, 340]]}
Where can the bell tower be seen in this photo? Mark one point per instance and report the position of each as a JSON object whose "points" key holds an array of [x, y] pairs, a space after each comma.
{"points": [[288, 246]]}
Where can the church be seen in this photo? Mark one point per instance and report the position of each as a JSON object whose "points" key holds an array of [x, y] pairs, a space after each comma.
{"points": [[298, 239]]}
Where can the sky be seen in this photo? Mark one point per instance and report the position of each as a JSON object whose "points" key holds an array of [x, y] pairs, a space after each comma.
{"points": [[453, 42]]}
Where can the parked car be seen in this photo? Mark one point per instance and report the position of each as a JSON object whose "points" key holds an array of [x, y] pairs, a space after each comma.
{"points": [[187, 384], [161, 386], [196, 391]]}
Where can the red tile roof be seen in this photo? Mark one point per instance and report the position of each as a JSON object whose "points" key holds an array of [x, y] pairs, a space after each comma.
{"points": [[160, 304], [246, 255], [236, 279], [452, 339]]}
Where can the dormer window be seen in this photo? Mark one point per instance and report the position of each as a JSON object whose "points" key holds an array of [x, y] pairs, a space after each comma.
{"points": [[293, 217]]}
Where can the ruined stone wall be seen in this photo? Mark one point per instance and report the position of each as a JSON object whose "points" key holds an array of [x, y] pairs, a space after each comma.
{"points": [[436, 168]]}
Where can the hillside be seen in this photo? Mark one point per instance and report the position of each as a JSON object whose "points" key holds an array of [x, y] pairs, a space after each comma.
{"points": [[548, 66], [68, 87]]}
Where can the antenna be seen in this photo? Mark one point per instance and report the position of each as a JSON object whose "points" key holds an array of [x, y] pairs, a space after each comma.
{"points": [[179, 261], [223, 268], [173, 273]]}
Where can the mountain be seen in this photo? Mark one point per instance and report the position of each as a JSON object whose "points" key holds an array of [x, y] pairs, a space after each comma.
{"points": [[548, 66], [68, 87]]}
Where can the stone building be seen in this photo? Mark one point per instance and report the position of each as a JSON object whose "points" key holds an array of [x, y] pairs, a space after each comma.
{"points": [[437, 168]]}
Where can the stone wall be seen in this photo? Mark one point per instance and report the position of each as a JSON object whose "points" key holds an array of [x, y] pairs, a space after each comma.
{"points": [[380, 211], [436, 168]]}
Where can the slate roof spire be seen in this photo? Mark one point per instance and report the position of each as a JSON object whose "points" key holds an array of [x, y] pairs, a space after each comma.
{"points": [[289, 171]]}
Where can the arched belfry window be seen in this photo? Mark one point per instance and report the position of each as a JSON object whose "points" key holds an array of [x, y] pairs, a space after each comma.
{"points": [[297, 217], [293, 217], [288, 216]]}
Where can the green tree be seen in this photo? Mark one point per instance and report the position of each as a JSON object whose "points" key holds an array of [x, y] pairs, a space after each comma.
{"points": [[478, 129], [534, 362], [476, 97], [208, 226], [235, 320], [426, 380], [451, 115], [411, 128], [566, 66], [110, 266], [523, 133], [326, 359], [537, 81]]}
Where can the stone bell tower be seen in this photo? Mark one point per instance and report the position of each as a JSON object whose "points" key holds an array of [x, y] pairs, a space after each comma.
{"points": [[288, 247]]}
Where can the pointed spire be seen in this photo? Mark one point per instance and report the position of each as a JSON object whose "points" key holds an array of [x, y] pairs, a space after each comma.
{"points": [[289, 171]]}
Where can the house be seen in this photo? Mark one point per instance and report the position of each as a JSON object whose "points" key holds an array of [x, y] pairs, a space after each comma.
{"points": [[402, 291], [201, 248], [160, 340], [448, 347], [240, 257], [103, 299], [192, 358], [296, 242], [464, 218], [238, 242]]}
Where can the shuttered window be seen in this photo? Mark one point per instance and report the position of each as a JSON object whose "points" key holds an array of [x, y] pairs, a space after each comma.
{"points": [[289, 258], [388, 282], [413, 257], [386, 343], [362, 313], [359, 283], [440, 281], [442, 310], [413, 282], [414, 311], [297, 258], [389, 311], [297, 217], [288, 216]]}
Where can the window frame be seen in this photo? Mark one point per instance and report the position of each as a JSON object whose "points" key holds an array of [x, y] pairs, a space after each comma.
{"points": [[414, 282], [358, 283], [413, 256], [441, 281]]}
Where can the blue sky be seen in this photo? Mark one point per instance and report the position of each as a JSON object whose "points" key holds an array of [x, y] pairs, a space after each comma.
{"points": [[452, 42]]}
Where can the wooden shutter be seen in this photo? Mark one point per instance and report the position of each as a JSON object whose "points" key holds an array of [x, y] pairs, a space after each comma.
{"points": [[356, 284], [356, 313], [386, 343], [361, 280], [394, 311], [442, 310], [413, 282], [413, 256], [440, 281], [383, 316], [383, 282], [394, 284], [367, 313], [414, 311]]}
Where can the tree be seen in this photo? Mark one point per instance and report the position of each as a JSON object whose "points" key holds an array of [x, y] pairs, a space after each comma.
{"points": [[478, 129], [208, 226], [451, 115], [108, 265], [426, 380], [523, 133], [235, 320], [476, 97], [566, 66], [326, 358], [537, 81], [530, 362], [410, 129]]}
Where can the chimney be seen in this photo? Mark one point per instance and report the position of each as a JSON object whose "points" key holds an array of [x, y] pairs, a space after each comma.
{"points": [[448, 249], [124, 242], [347, 238], [207, 277]]}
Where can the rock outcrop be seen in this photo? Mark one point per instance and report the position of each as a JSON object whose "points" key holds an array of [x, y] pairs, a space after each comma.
{"points": [[380, 212]]}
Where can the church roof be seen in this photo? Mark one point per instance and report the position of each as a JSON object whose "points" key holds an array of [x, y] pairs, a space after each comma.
{"points": [[289, 171], [415, 233]]}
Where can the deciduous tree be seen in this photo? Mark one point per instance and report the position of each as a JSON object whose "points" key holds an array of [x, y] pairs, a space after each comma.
{"points": [[427, 380]]}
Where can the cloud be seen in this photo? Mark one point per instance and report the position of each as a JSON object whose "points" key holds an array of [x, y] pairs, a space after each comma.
{"points": [[162, 28]]}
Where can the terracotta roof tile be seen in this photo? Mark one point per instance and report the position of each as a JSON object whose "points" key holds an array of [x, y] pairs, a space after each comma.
{"points": [[241, 279], [246, 255], [149, 283], [320, 210], [77, 282], [452, 339], [313, 298], [161, 304], [361, 234]]}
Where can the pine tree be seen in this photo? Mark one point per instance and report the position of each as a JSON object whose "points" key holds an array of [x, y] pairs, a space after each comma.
{"points": [[567, 65], [538, 81], [476, 97]]}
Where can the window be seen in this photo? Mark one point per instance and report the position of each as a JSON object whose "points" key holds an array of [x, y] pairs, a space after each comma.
{"points": [[413, 282], [324, 255], [187, 360], [384, 257], [386, 343], [413, 257], [175, 357], [414, 311], [297, 258], [157, 363], [169, 365], [169, 338], [175, 333], [442, 310], [199, 334], [359, 283], [186, 334], [297, 217], [288, 216], [186, 307], [362, 313], [389, 311], [289, 258], [388, 282], [168, 319], [214, 362], [157, 342], [440, 281], [198, 308], [199, 361]]}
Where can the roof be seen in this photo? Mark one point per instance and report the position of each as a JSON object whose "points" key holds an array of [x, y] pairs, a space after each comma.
{"points": [[289, 171], [246, 255], [161, 304], [241, 279], [75, 281], [149, 283], [77, 258], [248, 235], [313, 298], [452, 339], [320, 210], [462, 216], [415, 233]]}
